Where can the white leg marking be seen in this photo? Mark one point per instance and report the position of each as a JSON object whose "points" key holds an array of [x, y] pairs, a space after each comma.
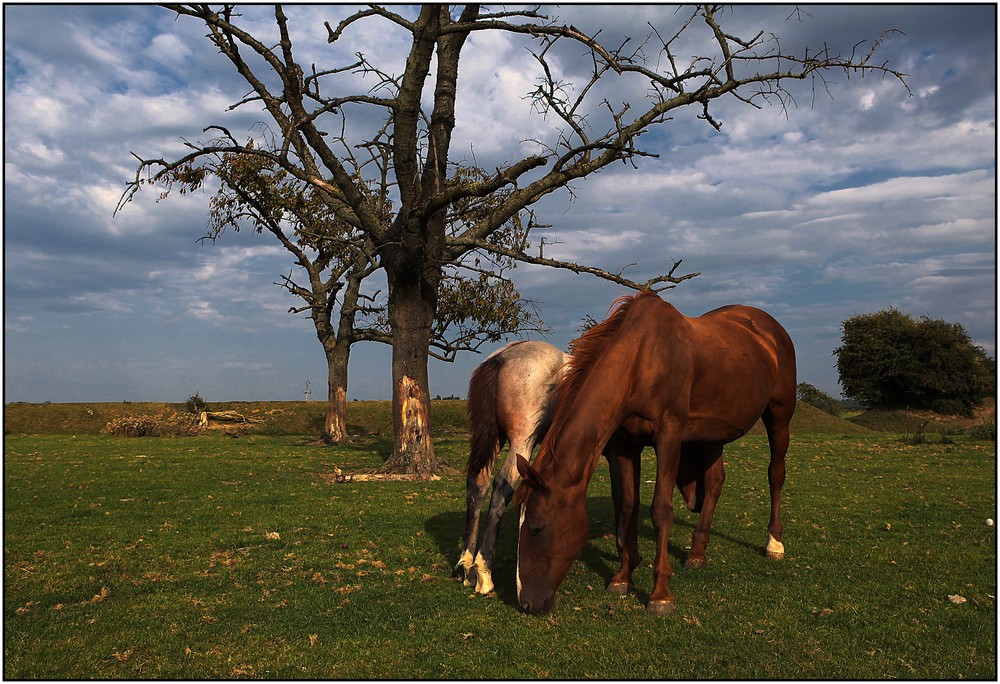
{"points": [[775, 549], [517, 564], [484, 580], [465, 561]]}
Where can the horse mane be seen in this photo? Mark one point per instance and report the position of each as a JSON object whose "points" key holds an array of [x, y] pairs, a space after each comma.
{"points": [[586, 350]]}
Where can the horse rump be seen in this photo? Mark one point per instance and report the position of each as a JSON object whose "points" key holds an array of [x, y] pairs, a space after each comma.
{"points": [[484, 431]]}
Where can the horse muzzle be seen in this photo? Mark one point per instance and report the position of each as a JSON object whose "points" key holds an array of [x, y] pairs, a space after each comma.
{"points": [[536, 606]]}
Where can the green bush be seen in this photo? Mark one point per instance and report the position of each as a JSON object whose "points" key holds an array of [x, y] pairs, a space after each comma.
{"points": [[985, 430], [889, 359], [195, 404]]}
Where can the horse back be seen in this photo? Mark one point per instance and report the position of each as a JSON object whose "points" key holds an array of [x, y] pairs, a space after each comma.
{"points": [[719, 371]]}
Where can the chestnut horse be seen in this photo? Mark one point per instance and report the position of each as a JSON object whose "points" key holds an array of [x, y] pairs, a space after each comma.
{"points": [[509, 401], [648, 375]]}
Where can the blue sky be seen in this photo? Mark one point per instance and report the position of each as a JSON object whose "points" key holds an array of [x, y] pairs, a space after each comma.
{"points": [[845, 203]]}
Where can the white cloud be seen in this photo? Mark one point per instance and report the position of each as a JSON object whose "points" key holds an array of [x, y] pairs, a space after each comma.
{"points": [[204, 311], [167, 48], [104, 302], [21, 324]]}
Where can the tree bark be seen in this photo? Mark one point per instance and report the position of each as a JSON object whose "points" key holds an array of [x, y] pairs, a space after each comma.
{"points": [[337, 346], [335, 424], [412, 302]]}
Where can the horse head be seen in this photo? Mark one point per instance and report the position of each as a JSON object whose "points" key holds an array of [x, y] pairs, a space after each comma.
{"points": [[552, 530]]}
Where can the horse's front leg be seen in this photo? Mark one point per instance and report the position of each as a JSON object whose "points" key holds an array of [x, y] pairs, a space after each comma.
{"points": [[713, 474], [623, 463], [476, 486], [504, 483], [668, 452]]}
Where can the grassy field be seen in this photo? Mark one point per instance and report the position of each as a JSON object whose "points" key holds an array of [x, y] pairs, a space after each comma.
{"points": [[211, 557]]}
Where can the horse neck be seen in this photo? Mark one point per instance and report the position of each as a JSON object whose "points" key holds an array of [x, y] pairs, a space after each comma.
{"points": [[591, 416]]}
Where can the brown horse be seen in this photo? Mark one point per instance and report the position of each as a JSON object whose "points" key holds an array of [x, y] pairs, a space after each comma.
{"points": [[649, 375]]}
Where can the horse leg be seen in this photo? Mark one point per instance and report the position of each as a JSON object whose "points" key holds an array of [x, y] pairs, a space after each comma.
{"points": [[776, 423], [623, 464], [668, 451], [713, 474], [504, 483], [690, 477], [476, 486]]}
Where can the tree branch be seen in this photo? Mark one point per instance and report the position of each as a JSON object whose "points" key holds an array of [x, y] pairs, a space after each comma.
{"points": [[661, 282]]}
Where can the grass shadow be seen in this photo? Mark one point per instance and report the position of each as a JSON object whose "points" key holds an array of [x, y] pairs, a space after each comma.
{"points": [[447, 529]]}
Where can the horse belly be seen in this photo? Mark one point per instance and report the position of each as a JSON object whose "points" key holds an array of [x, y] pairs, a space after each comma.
{"points": [[719, 428]]}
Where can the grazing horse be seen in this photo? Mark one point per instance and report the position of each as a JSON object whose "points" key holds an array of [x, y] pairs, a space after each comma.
{"points": [[509, 401], [650, 375]]}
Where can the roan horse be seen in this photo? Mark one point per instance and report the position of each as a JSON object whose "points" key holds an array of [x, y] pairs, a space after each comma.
{"points": [[509, 401], [650, 375]]}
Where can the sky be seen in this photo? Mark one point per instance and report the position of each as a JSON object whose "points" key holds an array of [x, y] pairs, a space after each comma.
{"points": [[857, 197]]}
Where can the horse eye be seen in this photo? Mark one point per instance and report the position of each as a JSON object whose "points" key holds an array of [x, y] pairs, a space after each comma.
{"points": [[535, 529]]}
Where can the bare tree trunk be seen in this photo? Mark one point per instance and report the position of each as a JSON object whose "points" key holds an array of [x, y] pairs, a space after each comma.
{"points": [[335, 425], [338, 351], [411, 313]]}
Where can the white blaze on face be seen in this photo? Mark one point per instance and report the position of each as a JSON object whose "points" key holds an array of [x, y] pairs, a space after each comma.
{"points": [[517, 563]]}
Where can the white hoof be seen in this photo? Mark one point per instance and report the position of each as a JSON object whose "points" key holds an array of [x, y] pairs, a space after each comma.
{"points": [[465, 562], [484, 579], [775, 549]]}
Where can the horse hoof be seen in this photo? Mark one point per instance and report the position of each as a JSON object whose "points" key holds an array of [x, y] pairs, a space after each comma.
{"points": [[484, 583], [661, 607], [775, 549], [620, 587], [695, 563]]}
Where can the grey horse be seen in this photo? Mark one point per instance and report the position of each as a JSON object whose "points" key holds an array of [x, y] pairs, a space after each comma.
{"points": [[509, 401]]}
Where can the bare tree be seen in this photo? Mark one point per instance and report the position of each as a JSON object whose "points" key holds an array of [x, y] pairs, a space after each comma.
{"points": [[476, 304], [409, 154]]}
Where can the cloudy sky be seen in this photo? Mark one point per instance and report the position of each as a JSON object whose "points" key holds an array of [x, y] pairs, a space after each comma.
{"points": [[854, 199]]}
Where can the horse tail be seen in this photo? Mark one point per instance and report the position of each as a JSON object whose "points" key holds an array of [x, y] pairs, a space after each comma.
{"points": [[484, 431]]}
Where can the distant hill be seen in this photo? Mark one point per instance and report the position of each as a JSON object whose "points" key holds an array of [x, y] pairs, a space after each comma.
{"points": [[911, 421], [809, 419]]}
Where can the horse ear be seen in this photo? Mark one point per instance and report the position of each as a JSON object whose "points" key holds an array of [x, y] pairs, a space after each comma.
{"points": [[529, 475]]}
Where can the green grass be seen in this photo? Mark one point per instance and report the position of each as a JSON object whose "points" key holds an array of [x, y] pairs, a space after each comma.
{"points": [[157, 558]]}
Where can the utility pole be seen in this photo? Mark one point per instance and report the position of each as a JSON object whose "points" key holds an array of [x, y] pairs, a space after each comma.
{"points": [[307, 392]]}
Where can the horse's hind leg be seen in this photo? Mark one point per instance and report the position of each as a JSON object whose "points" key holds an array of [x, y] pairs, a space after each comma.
{"points": [[691, 477], [504, 482], [707, 460], [476, 486], [776, 419]]}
